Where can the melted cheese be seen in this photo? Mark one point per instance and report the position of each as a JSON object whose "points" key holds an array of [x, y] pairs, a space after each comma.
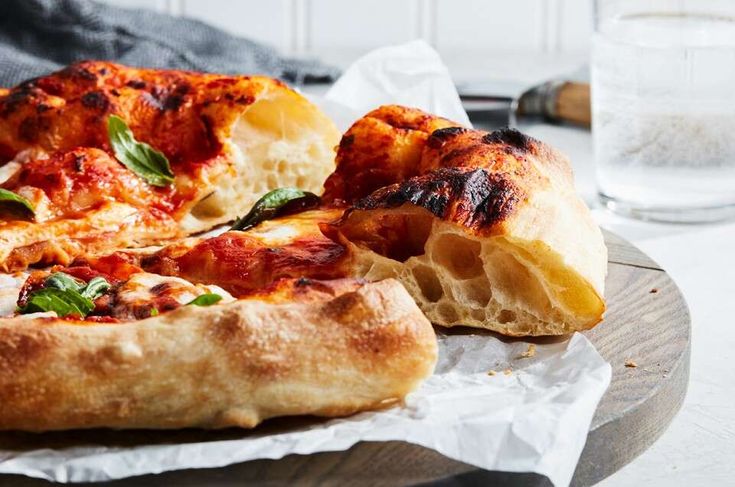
{"points": [[144, 288], [285, 230]]}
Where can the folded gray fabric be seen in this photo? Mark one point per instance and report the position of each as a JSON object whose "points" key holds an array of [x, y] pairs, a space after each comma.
{"points": [[40, 36]]}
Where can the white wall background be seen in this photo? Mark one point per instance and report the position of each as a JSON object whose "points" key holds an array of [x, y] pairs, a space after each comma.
{"points": [[556, 27]]}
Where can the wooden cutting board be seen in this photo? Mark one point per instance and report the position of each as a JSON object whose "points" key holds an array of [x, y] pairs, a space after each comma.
{"points": [[647, 322]]}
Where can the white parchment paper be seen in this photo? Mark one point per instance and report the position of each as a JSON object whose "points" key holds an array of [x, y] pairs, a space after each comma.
{"points": [[530, 414]]}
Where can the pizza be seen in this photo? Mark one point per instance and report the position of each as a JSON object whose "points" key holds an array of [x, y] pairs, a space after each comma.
{"points": [[101, 156], [313, 302], [483, 229]]}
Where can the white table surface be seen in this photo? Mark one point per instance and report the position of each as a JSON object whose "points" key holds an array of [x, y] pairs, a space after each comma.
{"points": [[699, 446]]}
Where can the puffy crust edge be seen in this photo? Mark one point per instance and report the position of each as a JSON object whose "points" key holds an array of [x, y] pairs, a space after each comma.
{"points": [[225, 365]]}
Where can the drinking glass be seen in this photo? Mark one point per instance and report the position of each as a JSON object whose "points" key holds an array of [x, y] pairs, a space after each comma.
{"points": [[663, 108]]}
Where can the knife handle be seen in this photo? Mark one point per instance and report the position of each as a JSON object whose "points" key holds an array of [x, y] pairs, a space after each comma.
{"points": [[571, 103]]}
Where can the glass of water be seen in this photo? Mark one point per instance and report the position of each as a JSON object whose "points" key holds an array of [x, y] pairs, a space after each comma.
{"points": [[663, 108]]}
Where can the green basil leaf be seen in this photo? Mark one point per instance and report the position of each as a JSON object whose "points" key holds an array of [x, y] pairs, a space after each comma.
{"points": [[145, 161], [154, 312], [205, 299], [66, 295], [95, 288], [64, 303], [16, 203], [278, 202], [63, 282]]}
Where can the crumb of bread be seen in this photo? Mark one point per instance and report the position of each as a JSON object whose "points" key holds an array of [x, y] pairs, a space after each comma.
{"points": [[507, 371], [530, 352], [653, 291], [491, 373], [630, 364]]}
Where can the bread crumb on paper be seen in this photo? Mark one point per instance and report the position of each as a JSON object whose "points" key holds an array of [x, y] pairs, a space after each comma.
{"points": [[630, 364], [491, 373], [507, 371], [530, 352], [653, 291]]}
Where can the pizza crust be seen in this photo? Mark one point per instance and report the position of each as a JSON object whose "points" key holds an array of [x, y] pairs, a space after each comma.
{"points": [[484, 229], [229, 139], [342, 347]]}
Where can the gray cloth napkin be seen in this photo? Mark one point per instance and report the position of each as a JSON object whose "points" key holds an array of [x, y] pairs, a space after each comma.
{"points": [[40, 36]]}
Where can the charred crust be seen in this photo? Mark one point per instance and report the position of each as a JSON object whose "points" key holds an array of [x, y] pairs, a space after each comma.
{"points": [[346, 142], [511, 137], [96, 100], [211, 137], [24, 93], [136, 84], [177, 97], [167, 100], [30, 127], [440, 136], [473, 198], [160, 289], [79, 71]]}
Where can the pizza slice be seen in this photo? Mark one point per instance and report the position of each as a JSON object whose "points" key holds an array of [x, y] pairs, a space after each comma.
{"points": [[106, 344], [483, 229], [101, 156]]}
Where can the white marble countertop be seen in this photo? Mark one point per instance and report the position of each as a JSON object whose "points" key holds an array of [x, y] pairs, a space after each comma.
{"points": [[699, 446]]}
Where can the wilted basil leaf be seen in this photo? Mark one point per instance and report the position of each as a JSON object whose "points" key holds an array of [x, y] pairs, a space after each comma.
{"points": [[64, 303], [95, 288], [65, 295], [139, 157], [63, 282], [16, 203], [205, 299], [278, 202]]}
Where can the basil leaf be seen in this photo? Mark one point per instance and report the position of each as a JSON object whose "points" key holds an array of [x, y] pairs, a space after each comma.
{"points": [[63, 282], [145, 161], [66, 295], [205, 300], [154, 312], [16, 203], [64, 303], [275, 203], [95, 288]]}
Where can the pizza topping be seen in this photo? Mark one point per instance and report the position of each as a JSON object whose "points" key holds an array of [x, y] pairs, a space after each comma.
{"points": [[145, 161], [205, 300], [16, 204], [145, 295], [279, 202], [63, 303], [64, 295]]}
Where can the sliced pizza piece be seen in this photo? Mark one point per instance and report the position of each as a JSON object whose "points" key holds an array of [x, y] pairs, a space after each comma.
{"points": [[244, 262], [151, 351], [100, 156], [488, 232]]}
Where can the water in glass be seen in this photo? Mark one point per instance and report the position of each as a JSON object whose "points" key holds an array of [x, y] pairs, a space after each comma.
{"points": [[663, 99]]}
